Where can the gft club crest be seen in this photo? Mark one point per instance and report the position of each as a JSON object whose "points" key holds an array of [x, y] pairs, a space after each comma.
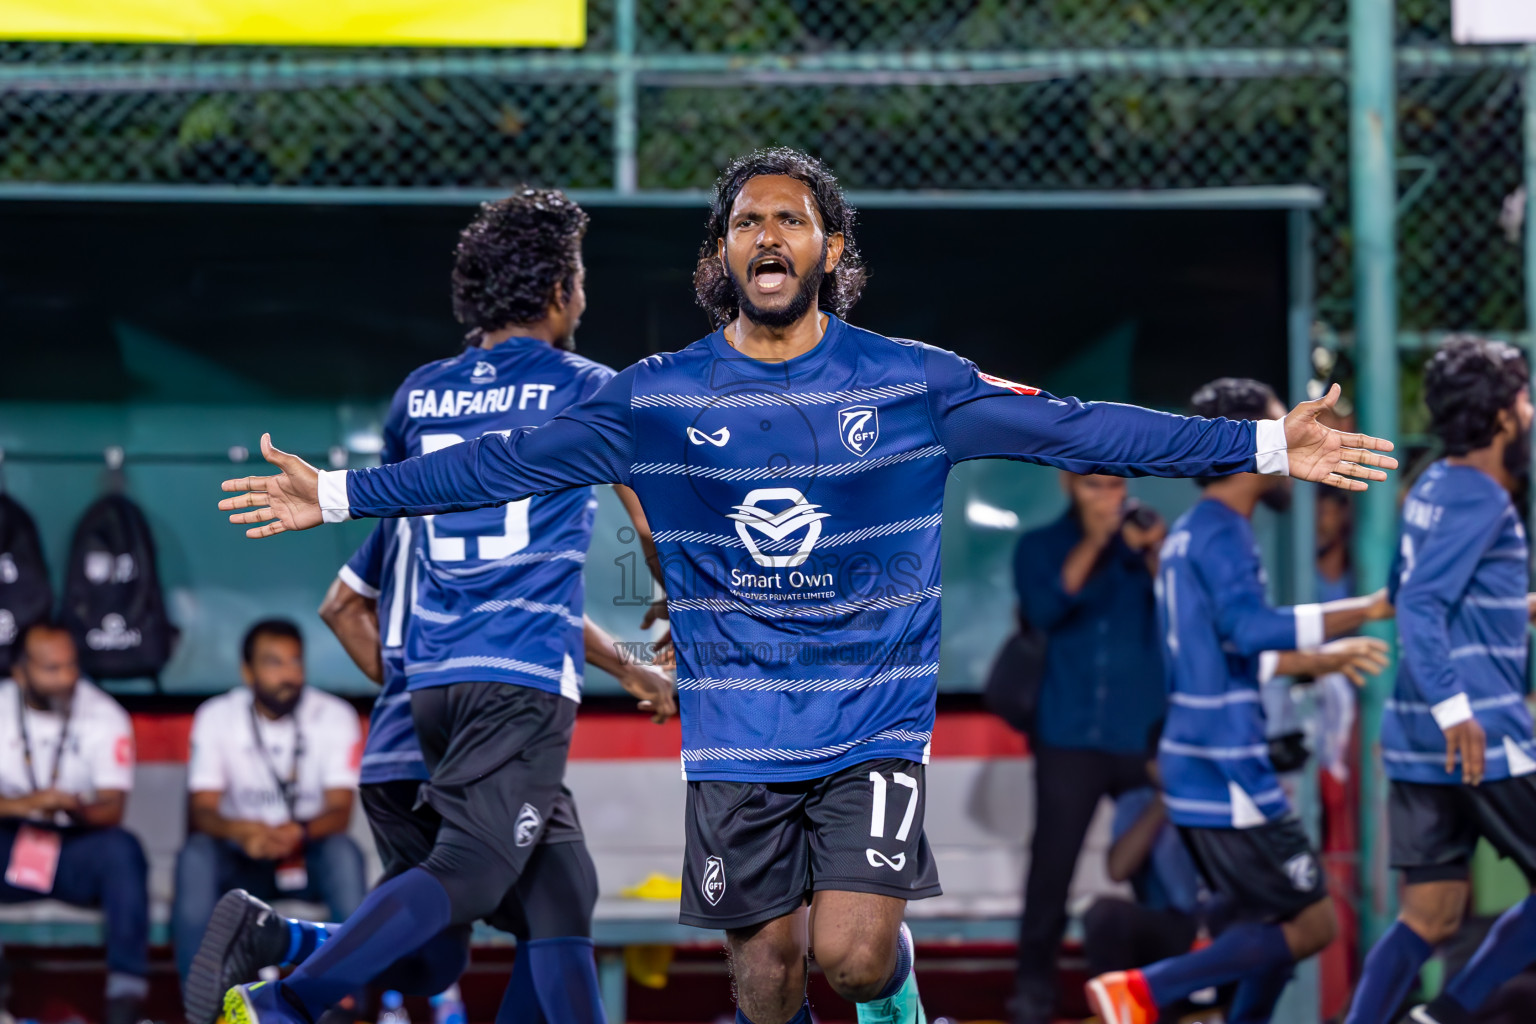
{"points": [[859, 427]]}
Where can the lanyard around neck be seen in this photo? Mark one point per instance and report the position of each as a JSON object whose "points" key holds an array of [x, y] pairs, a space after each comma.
{"points": [[26, 742], [289, 789]]}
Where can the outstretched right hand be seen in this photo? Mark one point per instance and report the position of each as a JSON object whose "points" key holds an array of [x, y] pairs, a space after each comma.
{"points": [[1355, 656], [288, 501]]}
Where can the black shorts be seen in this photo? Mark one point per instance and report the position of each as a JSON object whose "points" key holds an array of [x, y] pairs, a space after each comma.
{"points": [[1269, 873], [403, 833], [1436, 828], [496, 755], [755, 850]]}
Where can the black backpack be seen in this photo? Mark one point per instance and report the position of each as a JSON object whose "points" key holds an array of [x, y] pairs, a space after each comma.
{"points": [[25, 593], [112, 599], [1012, 690]]}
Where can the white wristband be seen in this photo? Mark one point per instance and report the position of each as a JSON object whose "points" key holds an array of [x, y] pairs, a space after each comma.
{"points": [[1309, 626], [1272, 454], [1452, 711], [1269, 661], [334, 506]]}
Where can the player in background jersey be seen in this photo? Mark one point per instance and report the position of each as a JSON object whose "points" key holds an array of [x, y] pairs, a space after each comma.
{"points": [[1221, 641], [792, 468], [489, 606], [1456, 736]]}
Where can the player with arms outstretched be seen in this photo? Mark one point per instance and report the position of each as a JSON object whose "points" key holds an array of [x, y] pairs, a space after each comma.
{"points": [[792, 468]]}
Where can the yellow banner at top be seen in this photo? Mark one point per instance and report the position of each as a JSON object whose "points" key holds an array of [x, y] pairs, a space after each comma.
{"points": [[301, 22]]}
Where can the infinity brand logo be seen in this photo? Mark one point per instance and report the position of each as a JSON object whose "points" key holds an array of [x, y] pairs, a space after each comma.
{"points": [[527, 827], [879, 860], [718, 438], [800, 515]]}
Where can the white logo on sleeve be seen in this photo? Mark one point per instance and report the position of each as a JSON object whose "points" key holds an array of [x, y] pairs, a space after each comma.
{"points": [[718, 438], [713, 885], [1302, 871], [527, 828], [859, 428], [776, 526]]}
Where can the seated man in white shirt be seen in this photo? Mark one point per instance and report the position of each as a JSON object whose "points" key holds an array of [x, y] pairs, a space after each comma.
{"points": [[272, 778], [66, 766]]}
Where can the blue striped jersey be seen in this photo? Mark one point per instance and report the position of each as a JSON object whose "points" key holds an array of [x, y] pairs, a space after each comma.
{"points": [[378, 569], [1217, 626], [796, 506], [495, 593], [1459, 585]]}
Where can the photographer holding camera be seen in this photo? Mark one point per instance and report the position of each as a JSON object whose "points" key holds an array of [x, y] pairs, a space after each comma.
{"points": [[1085, 581]]}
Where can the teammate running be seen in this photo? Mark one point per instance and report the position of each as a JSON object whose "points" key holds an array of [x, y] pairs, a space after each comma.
{"points": [[487, 607], [792, 467], [1222, 640], [1461, 580]]}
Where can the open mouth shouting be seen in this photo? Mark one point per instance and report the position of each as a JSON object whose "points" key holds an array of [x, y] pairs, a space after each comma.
{"points": [[770, 271]]}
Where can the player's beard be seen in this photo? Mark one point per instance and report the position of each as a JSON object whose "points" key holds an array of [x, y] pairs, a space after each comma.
{"points": [[804, 299], [1277, 498], [1517, 456], [277, 704]]}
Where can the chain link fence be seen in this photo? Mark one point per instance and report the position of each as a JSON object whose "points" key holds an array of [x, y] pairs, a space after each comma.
{"points": [[895, 94]]}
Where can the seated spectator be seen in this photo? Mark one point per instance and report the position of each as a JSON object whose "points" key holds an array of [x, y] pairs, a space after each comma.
{"points": [[66, 766], [272, 778], [1171, 906]]}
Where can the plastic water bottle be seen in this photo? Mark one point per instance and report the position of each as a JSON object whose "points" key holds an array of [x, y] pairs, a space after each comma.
{"points": [[448, 1006], [393, 1009]]}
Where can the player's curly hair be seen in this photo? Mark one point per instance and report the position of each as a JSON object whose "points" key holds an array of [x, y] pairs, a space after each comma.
{"points": [[839, 290], [513, 254], [1233, 398], [1466, 384]]}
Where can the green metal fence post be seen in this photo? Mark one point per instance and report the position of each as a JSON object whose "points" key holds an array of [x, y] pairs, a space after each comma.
{"points": [[625, 101], [1373, 198]]}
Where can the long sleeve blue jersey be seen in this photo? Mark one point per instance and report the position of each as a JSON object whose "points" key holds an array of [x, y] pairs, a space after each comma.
{"points": [[1459, 586], [1217, 625], [797, 507], [496, 592], [380, 569]]}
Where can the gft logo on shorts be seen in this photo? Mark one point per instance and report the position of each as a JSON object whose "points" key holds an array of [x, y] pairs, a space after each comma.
{"points": [[713, 885], [527, 828], [1302, 871]]}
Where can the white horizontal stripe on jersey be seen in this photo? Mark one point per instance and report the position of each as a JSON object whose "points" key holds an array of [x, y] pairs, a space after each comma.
{"points": [[1484, 650], [1220, 700], [501, 604], [1222, 807], [1495, 752], [1512, 555], [391, 757], [1414, 707], [783, 472], [521, 558], [756, 399], [1509, 603], [810, 685], [729, 540], [808, 611], [391, 700], [814, 754], [471, 661], [1214, 753], [429, 615]]}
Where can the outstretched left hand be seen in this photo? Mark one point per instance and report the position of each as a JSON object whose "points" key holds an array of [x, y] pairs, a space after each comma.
{"points": [[1327, 456]]}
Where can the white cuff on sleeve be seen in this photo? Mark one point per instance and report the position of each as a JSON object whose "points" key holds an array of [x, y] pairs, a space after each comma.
{"points": [[1309, 626], [1452, 711], [1272, 454], [353, 580], [1268, 662], [334, 506]]}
